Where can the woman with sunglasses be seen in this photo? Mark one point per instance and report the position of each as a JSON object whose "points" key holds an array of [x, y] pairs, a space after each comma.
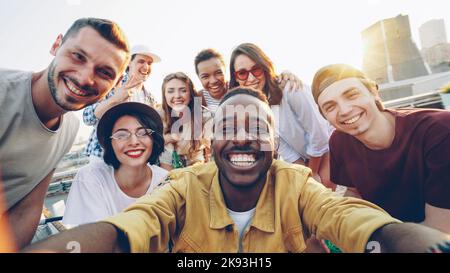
{"points": [[303, 132], [183, 129], [210, 69], [131, 136]]}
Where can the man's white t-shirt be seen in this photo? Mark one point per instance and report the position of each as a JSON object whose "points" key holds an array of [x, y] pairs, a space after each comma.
{"points": [[242, 221], [95, 194]]}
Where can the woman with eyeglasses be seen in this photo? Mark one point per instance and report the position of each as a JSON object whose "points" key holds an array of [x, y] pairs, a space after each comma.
{"points": [[131, 136], [303, 132], [184, 135]]}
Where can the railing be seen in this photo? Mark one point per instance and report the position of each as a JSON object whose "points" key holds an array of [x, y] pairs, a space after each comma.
{"points": [[426, 100], [58, 189]]}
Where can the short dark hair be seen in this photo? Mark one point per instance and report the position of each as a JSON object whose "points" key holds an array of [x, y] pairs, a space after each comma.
{"points": [[106, 28], [245, 91], [207, 54], [158, 141]]}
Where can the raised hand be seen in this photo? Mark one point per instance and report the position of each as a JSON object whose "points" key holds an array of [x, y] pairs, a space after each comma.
{"points": [[287, 76]]}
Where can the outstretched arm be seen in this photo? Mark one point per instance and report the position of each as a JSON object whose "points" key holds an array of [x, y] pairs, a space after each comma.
{"points": [[406, 237], [97, 237], [347, 222], [355, 225]]}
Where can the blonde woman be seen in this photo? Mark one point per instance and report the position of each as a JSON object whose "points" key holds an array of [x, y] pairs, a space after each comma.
{"points": [[185, 144]]}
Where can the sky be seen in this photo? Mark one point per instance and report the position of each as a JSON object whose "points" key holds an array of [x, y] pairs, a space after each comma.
{"points": [[299, 36]]}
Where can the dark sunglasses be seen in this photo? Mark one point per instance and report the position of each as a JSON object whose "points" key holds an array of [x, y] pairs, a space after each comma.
{"points": [[243, 74]]}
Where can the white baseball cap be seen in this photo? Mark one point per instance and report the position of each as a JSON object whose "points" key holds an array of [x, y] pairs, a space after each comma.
{"points": [[145, 50]]}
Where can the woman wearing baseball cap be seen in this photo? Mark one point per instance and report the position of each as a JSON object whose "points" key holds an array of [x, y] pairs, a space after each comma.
{"points": [[131, 136]]}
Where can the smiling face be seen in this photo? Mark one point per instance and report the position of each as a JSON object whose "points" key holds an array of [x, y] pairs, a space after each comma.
{"points": [[212, 76], [134, 151], [140, 66], [244, 63], [177, 94], [349, 106], [243, 144], [86, 66]]}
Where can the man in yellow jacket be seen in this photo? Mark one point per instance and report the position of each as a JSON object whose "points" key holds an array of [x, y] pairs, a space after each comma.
{"points": [[245, 201]]}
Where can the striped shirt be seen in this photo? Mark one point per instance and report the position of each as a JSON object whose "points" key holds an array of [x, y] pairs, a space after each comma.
{"points": [[211, 102]]}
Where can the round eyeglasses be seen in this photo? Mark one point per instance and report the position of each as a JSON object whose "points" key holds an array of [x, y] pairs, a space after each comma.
{"points": [[125, 134]]}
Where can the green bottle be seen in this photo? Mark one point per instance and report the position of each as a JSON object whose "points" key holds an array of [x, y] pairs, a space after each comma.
{"points": [[176, 160], [332, 247]]}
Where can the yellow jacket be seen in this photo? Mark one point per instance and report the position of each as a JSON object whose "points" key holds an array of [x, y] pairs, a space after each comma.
{"points": [[190, 210]]}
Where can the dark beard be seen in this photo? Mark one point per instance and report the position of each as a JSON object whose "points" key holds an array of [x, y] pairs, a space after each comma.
{"points": [[52, 87], [66, 106]]}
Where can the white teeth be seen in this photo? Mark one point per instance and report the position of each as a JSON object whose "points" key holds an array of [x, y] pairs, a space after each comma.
{"points": [[352, 120], [134, 152], [242, 164], [74, 89], [242, 160]]}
